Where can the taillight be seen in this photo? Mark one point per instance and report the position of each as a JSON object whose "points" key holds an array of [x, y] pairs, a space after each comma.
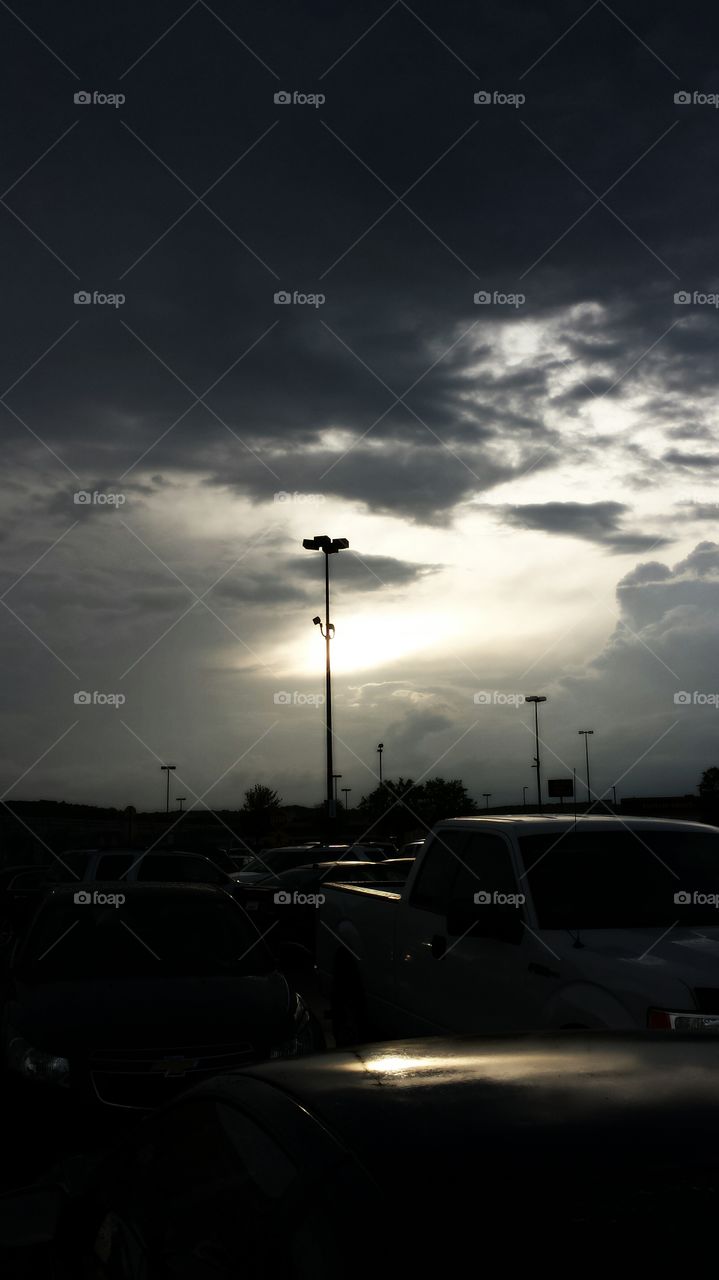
{"points": [[665, 1020], [659, 1020]]}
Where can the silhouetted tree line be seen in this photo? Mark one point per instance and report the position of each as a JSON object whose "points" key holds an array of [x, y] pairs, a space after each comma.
{"points": [[403, 803]]}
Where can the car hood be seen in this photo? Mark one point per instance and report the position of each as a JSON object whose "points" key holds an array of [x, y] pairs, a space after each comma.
{"points": [[688, 952], [79, 1016]]}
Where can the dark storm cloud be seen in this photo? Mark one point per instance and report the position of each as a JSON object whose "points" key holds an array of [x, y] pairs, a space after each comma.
{"points": [[202, 295], [699, 511], [397, 394], [598, 522], [367, 573], [692, 461]]}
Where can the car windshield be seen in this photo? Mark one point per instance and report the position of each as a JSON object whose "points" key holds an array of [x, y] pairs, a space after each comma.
{"points": [[622, 878], [146, 936]]}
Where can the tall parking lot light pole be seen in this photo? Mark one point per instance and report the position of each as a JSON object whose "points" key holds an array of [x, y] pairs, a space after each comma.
{"points": [[345, 792], [536, 698], [587, 733], [168, 769], [330, 546], [380, 749], [486, 795]]}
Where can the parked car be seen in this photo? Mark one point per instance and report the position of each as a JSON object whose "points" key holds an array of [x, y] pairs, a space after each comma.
{"points": [[524, 923], [411, 849], [125, 993], [274, 861], [577, 1146], [285, 906], [21, 889], [141, 865]]}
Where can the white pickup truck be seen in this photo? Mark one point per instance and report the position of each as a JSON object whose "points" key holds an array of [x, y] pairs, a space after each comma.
{"points": [[517, 923]]}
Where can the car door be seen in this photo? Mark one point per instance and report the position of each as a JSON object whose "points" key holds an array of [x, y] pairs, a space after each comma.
{"points": [[467, 979], [421, 935]]}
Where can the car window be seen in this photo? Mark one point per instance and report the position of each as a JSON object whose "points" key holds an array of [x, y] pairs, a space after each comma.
{"points": [[433, 887], [486, 868], [111, 866], [72, 864], [105, 933], [163, 866]]}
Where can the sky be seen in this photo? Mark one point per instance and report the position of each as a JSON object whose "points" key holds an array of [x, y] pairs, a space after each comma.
{"points": [[437, 279]]}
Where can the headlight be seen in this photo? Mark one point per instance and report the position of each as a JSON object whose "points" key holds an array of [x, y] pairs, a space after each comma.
{"points": [[33, 1064], [303, 1040], [665, 1020]]}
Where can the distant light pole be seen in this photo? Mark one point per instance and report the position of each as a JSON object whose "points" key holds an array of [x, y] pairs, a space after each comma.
{"points": [[168, 769], [587, 734], [486, 795], [345, 792], [380, 749], [335, 776], [536, 698], [614, 789], [181, 800], [329, 546], [524, 796]]}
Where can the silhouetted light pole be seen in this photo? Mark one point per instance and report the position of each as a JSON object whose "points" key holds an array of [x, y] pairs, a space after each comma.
{"points": [[335, 776], [181, 800], [345, 792], [486, 795], [524, 796], [330, 546], [614, 790], [168, 768], [380, 749], [536, 698], [587, 734]]}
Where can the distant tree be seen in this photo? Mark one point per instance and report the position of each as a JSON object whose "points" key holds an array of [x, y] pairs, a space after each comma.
{"points": [[384, 797], [261, 799], [420, 804], [709, 784], [441, 798], [261, 807]]}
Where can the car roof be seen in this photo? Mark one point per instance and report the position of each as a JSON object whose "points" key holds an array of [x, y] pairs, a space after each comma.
{"points": [[550, 822], [138, 889], [544, 1097]]}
